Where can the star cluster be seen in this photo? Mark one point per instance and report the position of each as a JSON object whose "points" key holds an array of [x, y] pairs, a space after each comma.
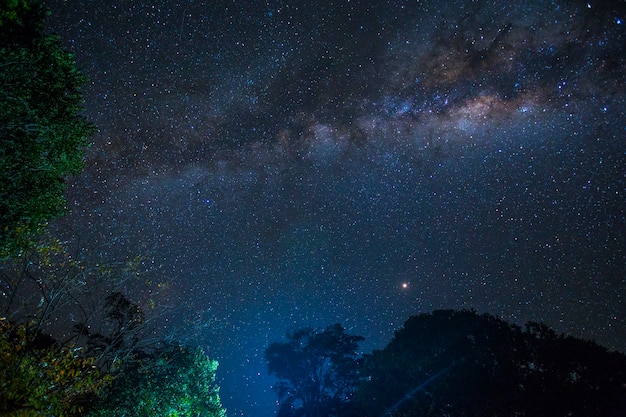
{"points": [[290, 163]]}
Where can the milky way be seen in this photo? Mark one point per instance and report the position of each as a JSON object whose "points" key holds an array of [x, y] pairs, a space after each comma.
{"points": [[285, 164]]}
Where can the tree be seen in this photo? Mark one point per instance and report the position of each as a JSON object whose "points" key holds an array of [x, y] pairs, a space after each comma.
{"points": [[124, 335], [175, 382], [50, 289], [40, 378], [152, 376], [42, 133], [108, 346], [317, 371], [470, 355], [459, 363], [566, 376], [44, 293]]}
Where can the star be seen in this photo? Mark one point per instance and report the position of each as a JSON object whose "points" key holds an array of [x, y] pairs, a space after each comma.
{"points": [[296, 166]]}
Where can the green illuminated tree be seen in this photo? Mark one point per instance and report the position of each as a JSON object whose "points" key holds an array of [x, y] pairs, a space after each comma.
{"points": [[177, 382], [42, 132]]}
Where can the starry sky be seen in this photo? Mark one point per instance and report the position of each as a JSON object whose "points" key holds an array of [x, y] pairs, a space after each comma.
{"points": [[289, 163]]}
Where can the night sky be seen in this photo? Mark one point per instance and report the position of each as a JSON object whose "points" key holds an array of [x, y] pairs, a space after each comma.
{"points": [[289, 163]]}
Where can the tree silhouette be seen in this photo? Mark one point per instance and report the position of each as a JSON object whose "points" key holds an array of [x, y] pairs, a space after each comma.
{"points": [[317, 371], [127, 336], [460, 363]]}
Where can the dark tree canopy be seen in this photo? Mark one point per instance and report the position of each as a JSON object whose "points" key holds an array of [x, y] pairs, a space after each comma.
{"points": [[317, 371], [483, 366], [42, 132]]}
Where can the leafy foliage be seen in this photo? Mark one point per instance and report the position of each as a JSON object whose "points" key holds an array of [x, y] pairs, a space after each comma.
{"points": [[42, 134], [39, 378], [178, 382], [151, 376], [317, 371], [13, 12], [112, 337], [491, 368]]}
